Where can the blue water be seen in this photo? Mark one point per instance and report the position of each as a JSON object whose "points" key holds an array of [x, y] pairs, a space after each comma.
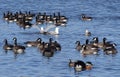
{"points": [[105, 23]]}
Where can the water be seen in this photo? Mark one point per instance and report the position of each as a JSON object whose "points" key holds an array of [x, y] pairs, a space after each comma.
{"points": [[106, 16]]}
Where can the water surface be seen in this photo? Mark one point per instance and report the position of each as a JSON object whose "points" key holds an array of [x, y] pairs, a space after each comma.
{"points": [[105, 23]]}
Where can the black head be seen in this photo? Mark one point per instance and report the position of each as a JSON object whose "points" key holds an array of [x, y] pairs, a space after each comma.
{"points": [[39, 39], [88, 62], [14, 38], [95, 39], [77, 42], [79, 62]]}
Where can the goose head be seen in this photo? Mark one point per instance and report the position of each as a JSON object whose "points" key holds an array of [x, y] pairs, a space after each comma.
{"points": [[89, 65], [95, 39], [104, 40], [71, 63], [79, 66], [15, 40], [77, 42]]}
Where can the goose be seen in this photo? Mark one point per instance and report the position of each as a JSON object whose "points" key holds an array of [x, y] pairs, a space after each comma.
{"points": [[48, 52], [6, 16], [86, 18], [110, 49], [33, 43], [99, 44], [89, 65], [49, 19], [26, 25], [108, 45], [38, 20], [95, 41], [42, 46], [78, 46], [18, 49], [62, 18], [7, 46], [51, 42], [104, 44], [54, 46], [58, 22], [22, 23], [88, 50], [29, 16], [71, 63], [82, 66], [9, 17], [90, 45], [57, 46]]}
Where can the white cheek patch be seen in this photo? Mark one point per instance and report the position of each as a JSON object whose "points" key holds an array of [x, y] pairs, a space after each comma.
{"points": [[29, 45], [88, 64], [109, 52], [95, 53], [78, 68], [8, 47], [20, 51]]}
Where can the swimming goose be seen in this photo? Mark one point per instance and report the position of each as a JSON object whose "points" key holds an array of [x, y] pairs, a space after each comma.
{"points": [[33, 43], [86, 18], [53, 44], [49, 19], [57, 46], [42, 46], [110, 49], [90, 45], [62, 18], [29, 16], [50, 40], [89, 65], [9, 17], [18, 49], [79, 65], [82, 66], [39, 21], [104, 44], [48, 52], [22, 23], [71, 63], [88, 50], [7, 46], [6, 16], [78, 45]]}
